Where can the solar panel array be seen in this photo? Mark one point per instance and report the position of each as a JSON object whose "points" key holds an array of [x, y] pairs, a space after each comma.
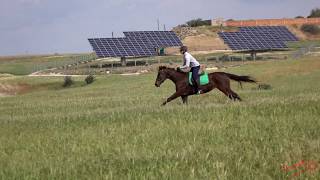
{"points": [[159, 39], [135, 44], [258, 38], [121, 47]]}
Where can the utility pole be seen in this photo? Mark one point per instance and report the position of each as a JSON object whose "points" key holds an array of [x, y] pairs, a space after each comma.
{"points": [[158, 24], [164, 27]]}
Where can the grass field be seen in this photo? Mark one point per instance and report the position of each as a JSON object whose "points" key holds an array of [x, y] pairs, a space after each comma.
{"points": [[301, 44], [116, 129], [24, 65]]}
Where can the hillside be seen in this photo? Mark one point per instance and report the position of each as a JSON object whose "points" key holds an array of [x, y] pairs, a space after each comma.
{"points": [[204, 38]]}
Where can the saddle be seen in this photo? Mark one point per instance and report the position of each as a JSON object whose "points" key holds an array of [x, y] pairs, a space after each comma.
{"points": [[204, 78]]}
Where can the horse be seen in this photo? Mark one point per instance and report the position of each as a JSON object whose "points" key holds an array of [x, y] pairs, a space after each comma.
{"points": [[220, 80]]}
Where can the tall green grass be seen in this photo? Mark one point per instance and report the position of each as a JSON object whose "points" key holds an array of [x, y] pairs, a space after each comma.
{"points": [[115, 128]]}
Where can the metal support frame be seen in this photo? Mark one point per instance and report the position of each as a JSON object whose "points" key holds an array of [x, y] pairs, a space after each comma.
{"points": [[123, 61], [253, 55]]}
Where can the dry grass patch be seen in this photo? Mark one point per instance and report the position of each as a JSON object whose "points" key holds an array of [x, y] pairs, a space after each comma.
{"points": [[14, 89]]}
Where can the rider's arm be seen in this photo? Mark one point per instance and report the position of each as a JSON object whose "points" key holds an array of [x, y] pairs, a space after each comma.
{"points": [[187, 62]]}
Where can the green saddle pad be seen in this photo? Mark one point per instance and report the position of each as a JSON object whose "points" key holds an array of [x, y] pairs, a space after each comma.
{"points": [[204, 79]]}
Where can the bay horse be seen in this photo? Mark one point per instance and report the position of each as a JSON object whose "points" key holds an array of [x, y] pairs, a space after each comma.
{"points": [[220, 80]]}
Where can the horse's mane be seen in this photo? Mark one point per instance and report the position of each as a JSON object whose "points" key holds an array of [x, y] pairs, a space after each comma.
{"points": [[172, 69], [165, 67]]}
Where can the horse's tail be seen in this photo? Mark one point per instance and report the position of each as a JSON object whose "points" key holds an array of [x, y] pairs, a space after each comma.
{"points": [[240, 79]]}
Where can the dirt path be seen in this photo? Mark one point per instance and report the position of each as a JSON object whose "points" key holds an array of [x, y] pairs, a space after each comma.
{"points": [[43, 74], [53, 75]]}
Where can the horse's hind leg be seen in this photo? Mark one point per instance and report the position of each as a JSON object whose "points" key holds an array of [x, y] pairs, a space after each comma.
{"points": [[232, 95], [235, 96], [228, 92], [184, 99], [225, 91]]}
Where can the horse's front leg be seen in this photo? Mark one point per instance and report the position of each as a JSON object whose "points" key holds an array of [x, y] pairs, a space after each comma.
{"points": [[172, 97]]}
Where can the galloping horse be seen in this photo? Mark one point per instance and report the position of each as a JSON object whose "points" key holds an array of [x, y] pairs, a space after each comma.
{"points": [[220, 80]]}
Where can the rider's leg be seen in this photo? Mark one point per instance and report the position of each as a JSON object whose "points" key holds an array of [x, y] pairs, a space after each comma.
{"points": [[195, 78]]}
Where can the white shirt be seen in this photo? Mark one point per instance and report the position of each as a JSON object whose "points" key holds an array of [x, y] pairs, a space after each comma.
{"points": [[189, 61]]}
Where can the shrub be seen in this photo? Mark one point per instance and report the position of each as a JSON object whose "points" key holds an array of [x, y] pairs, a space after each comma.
{"points": [[263, 87], [89, 79], [198, 22], [182, 25], [67, 81], [309, 28]]}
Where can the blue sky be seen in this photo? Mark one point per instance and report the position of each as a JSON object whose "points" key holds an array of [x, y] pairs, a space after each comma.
{"points": [[63, 26]]}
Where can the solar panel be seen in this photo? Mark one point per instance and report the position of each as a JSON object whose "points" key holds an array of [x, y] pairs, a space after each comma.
{"points": [[135, 44], [258, 38], [247, 40], [281, 31], [159, 39], [122, 47]]}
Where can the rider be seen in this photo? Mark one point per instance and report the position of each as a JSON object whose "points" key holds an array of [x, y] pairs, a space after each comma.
{"points": [[190, 62]]}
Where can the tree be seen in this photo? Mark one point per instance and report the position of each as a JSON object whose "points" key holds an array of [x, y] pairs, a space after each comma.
{"points": [[314, 13]]}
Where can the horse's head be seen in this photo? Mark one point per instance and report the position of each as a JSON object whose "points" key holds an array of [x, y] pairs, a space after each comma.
{"points": [[162, 75]]}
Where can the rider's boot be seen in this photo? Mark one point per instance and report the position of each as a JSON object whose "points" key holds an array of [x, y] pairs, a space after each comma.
{"points": [[197, 87]]}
